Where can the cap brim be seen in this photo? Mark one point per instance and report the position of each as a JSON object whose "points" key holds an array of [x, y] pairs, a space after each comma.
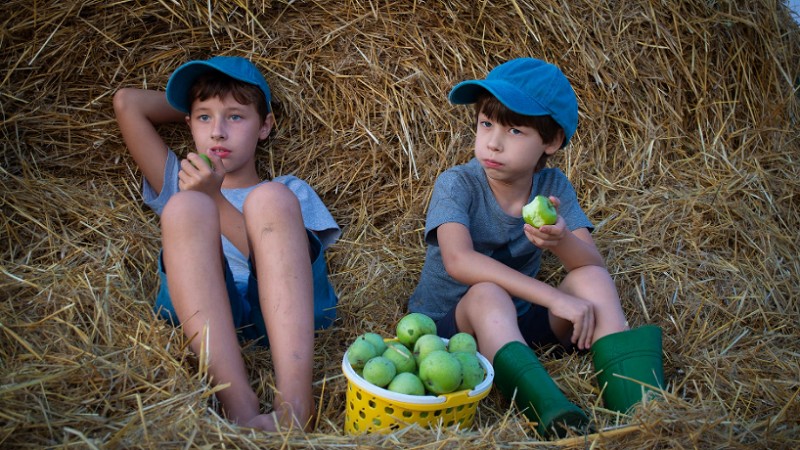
{"points": [[182, 80], [513, 98]]}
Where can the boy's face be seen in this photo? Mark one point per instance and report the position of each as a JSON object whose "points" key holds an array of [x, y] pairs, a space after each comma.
{"points": [[229, 129], [509, 153]]}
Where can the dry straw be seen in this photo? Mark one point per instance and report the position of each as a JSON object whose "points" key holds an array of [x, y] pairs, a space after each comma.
{"points": [[686, 157]]}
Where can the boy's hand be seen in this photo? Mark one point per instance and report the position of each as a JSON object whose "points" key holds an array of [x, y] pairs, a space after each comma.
{"points": [[547, 236], [196, 175], [581, 313]]}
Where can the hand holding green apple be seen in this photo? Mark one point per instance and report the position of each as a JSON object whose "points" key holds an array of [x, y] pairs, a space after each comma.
{"points": [[540, 211], [206, 159]]}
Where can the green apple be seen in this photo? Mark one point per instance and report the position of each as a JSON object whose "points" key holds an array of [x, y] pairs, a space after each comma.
{"points": [[471, 370], [206, 159], [440, 372], [426, 344], [376, 342], [407, 383], [401, 356], [359, 352], [462, 342], [412, 326], [539, 212], [379, 371]]}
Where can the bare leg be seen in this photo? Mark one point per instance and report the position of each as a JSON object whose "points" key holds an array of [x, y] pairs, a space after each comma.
{"points": [[193, 263], [487, 312], [592, 283], [280, 252]]}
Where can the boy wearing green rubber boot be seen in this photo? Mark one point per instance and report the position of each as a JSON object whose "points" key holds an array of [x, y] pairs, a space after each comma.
{"points": [[482, 258]]}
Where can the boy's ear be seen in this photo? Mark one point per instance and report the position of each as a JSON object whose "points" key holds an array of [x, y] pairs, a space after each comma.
{"points": [[556, 144], [188, 121], [266, 127]]}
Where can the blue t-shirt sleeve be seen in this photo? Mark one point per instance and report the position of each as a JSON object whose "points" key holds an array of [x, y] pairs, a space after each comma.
{"points": [[315, 214], [157, 201], [449, 203]]}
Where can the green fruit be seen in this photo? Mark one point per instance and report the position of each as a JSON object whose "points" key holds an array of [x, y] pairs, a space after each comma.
{"points": [[471, 370], [440, 372], [462, 342], [379, 371], [407, 383], [359, 352], [376, 342], [426, 344], [206, 159], [412, 326], [540, 212], [401, 356]]}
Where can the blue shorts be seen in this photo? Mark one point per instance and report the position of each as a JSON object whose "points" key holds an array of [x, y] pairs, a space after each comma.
{"points": [[246, 309], [534, 324]]}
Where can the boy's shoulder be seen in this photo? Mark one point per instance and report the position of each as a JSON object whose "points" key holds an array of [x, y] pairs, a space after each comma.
{"points": [[472, 170], [552, 179]]}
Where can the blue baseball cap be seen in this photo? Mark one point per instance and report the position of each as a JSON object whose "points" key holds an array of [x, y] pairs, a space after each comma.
{"points": [[527, 86], [233, 66]]}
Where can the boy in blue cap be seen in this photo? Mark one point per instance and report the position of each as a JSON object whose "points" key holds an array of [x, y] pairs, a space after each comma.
{"points": [[242, 258], [482, 258]]}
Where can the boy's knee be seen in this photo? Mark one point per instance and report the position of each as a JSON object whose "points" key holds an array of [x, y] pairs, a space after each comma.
{"points": [[188, 207], [273, 197], [488, 295], [121, 99], [485, 304]]}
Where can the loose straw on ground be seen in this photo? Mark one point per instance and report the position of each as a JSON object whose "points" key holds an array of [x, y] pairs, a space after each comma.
{"points": [[686, 159]]}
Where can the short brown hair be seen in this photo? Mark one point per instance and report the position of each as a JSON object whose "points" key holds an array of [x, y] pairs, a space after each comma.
{"points": [[216, 84], [546, 126]]}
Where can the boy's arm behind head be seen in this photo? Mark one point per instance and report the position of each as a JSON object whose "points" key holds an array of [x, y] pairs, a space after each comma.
{"points": [[138, 111]]}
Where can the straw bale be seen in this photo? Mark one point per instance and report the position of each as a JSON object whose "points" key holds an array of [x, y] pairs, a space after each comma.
{"points": [[686, 158]]}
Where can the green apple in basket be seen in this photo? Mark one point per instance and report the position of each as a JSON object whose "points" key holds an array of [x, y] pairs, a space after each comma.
{"points": [[440, 372], [379, 371], [413, 326], [401, 356], [376, 341], [426, 344], [540, 211], [407, 383], [360, 352], [462, 342], [471, 370]]}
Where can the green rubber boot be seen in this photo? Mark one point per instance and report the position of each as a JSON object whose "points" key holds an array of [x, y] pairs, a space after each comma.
{"points": [[634, 354], [516, 367]]}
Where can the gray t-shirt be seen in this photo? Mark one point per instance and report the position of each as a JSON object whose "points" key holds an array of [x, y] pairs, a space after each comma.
{"points": [[462, 194], [315, 215]]}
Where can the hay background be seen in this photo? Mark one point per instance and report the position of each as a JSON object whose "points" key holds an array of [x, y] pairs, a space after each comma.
{"points": [[686, 156]]}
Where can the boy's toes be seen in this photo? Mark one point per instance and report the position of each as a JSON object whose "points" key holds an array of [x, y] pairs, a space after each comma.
{"points": [[263, 422]]}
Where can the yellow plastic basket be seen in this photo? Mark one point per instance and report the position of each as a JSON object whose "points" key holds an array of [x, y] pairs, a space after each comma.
{"points": [[371, 409]]}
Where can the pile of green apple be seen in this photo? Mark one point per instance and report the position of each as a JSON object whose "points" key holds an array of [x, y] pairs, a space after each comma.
{"points": [[418, 362]]}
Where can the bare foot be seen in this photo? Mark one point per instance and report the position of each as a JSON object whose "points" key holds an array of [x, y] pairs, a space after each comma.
{"points": [[301, 418], [263, 422]]}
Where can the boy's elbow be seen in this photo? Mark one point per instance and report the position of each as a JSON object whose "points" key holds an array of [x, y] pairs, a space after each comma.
{"points": [[453, 265]]}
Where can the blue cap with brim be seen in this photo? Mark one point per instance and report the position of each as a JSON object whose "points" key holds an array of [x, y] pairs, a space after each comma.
{"points": [[527, 86], [233, 66]]}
